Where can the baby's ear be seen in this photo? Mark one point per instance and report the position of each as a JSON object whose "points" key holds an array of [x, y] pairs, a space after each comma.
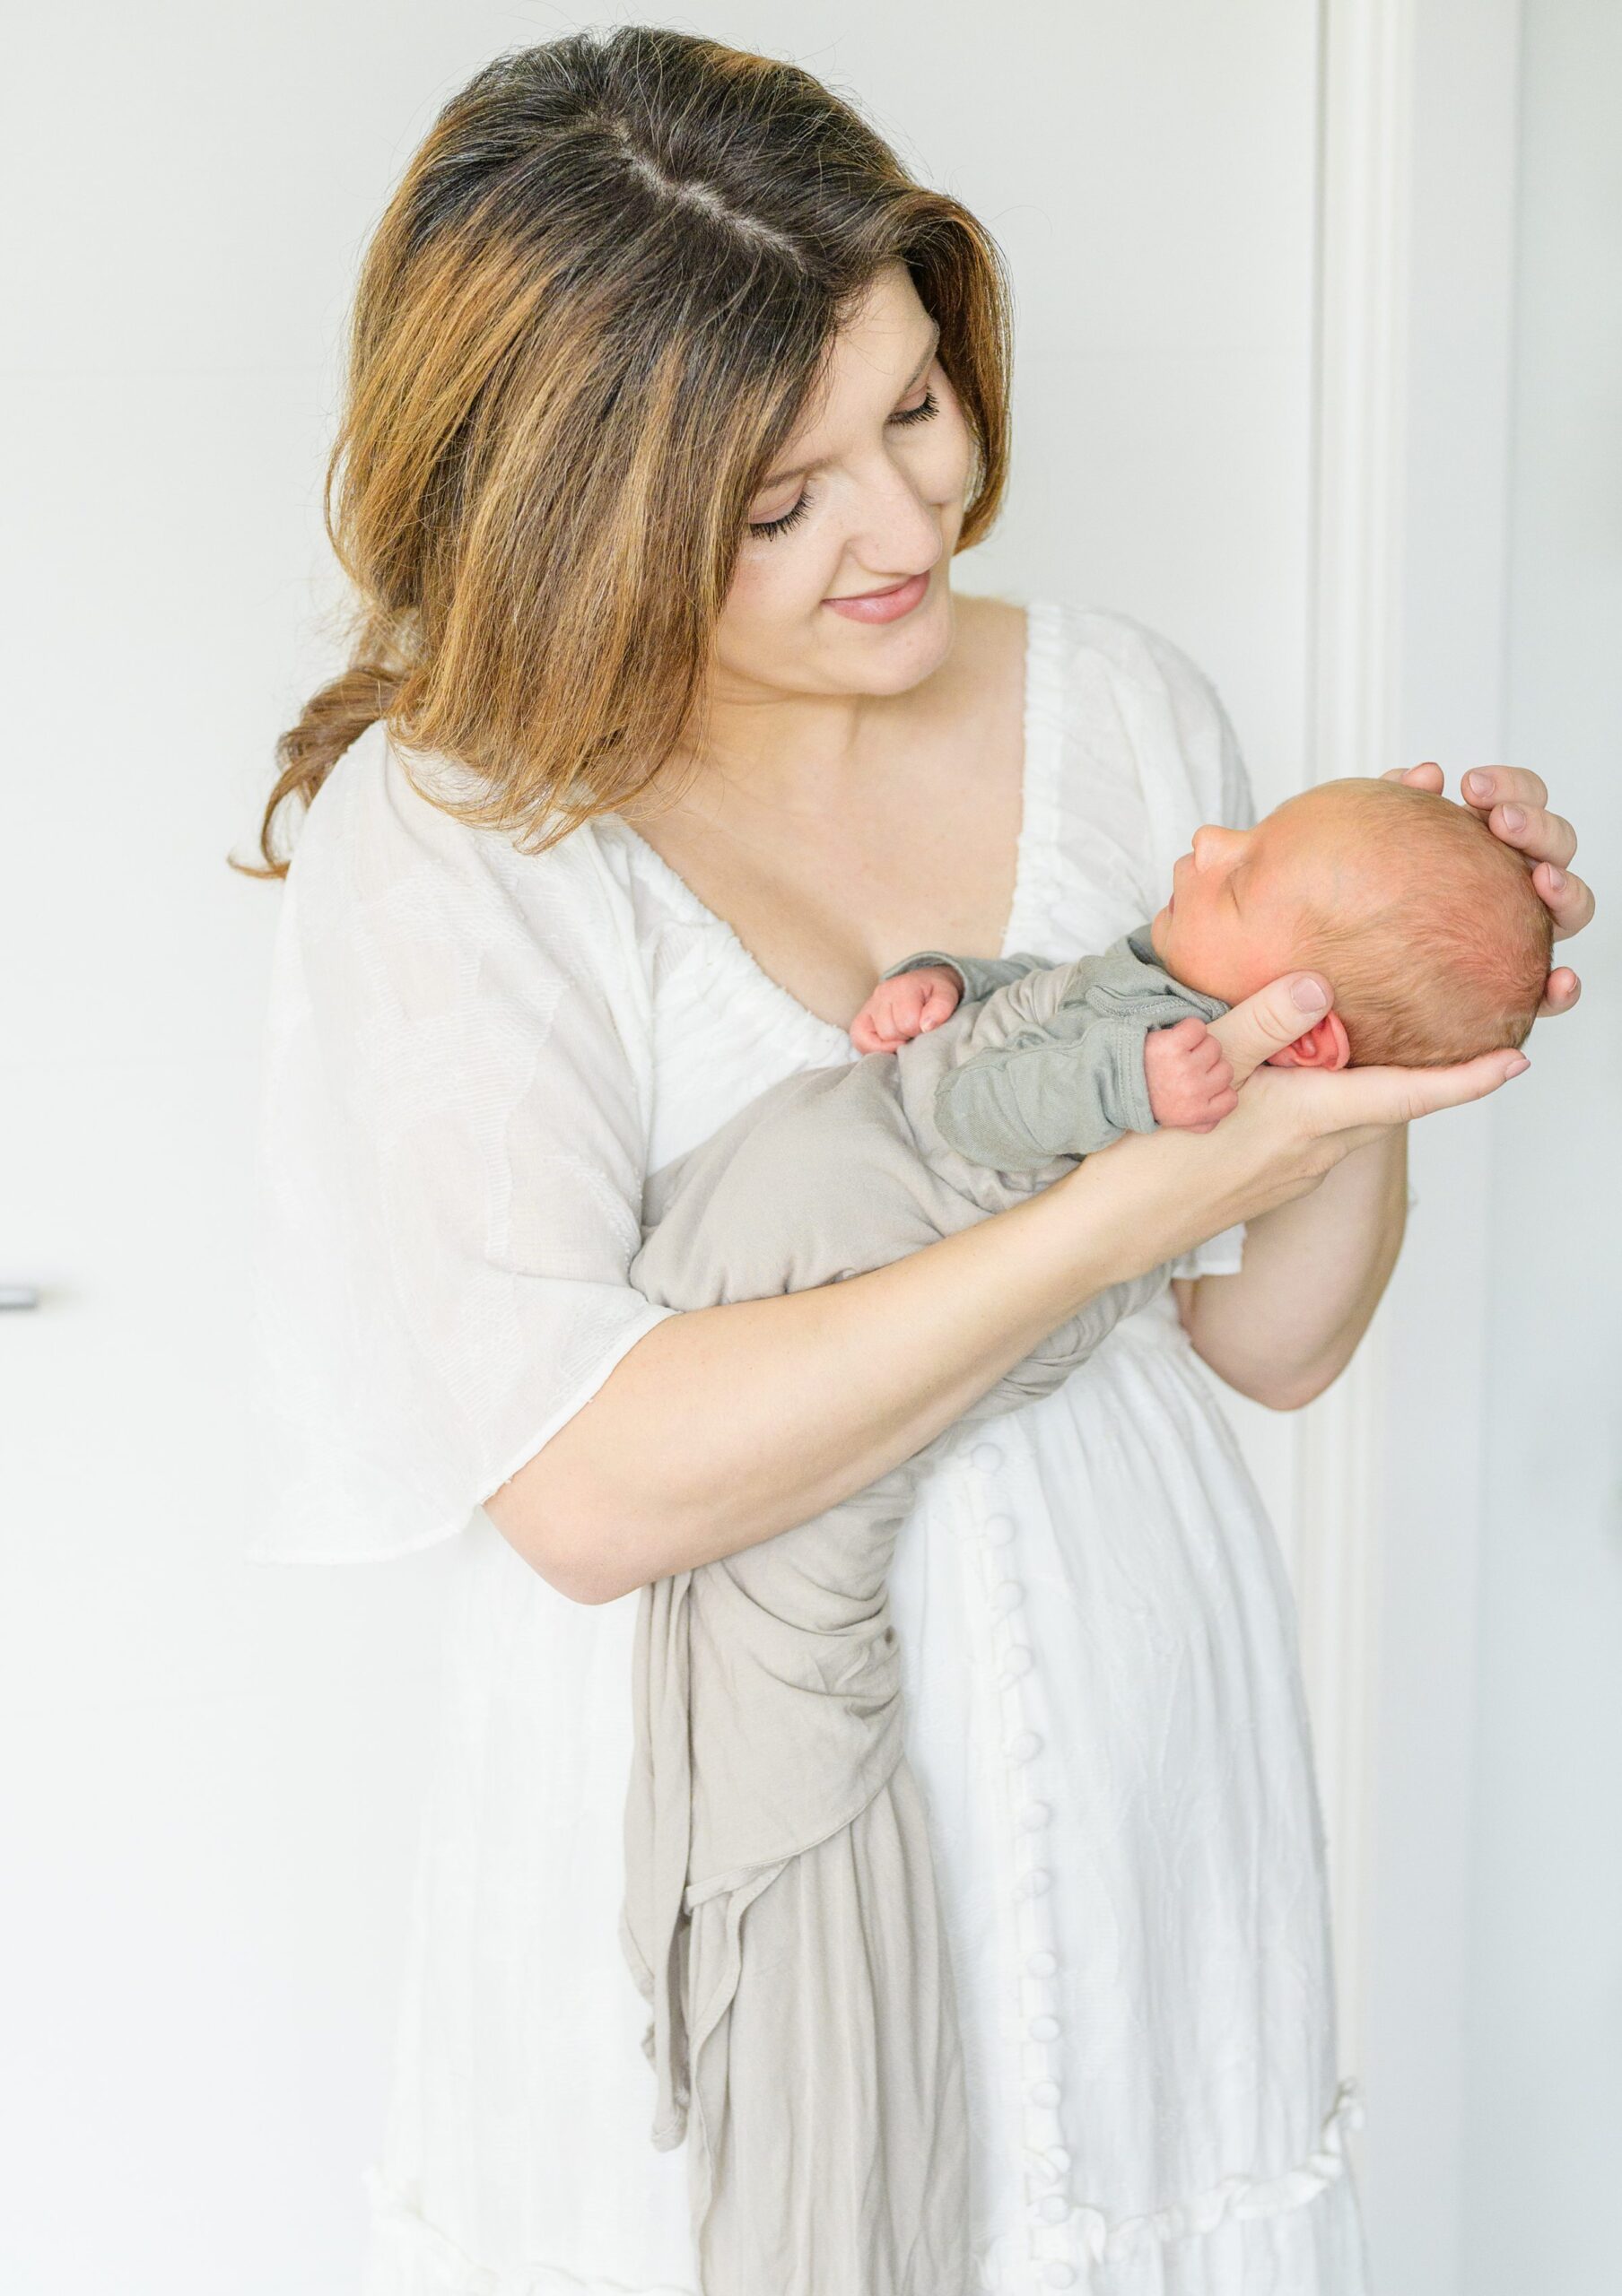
{"points": [[1325, 1045]]}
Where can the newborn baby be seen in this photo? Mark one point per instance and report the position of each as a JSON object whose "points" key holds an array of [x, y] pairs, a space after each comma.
{"points": [[1426, 926], [780, 1917]]}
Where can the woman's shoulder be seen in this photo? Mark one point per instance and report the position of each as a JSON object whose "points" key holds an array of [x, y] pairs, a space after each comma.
{"points": [[390, 900], [1093, 645], [378, 838], [1124, 689]]}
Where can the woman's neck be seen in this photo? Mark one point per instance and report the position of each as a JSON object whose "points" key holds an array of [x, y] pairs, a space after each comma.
{"points": [[810, 758]]}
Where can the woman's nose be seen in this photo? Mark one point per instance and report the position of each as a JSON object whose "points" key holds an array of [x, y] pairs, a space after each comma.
{"points": [[896, 524]]}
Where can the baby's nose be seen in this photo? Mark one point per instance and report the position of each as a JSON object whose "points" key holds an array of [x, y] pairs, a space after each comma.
{"points": [[1210, 842]]}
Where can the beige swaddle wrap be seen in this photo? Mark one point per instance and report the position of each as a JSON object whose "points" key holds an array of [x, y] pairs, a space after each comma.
{"points": [[781, 1912]]}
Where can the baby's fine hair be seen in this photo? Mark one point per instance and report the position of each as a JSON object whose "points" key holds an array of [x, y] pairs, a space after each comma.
{"points": [[1442, 950]]}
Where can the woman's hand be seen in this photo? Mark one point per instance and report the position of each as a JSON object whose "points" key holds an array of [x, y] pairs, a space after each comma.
{"points": [[1514, 805], [1343, 1110], [1291, 1127]]}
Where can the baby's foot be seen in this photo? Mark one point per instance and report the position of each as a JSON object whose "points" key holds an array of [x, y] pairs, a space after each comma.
{"points": [[1190, 1082], [904, 1007]]}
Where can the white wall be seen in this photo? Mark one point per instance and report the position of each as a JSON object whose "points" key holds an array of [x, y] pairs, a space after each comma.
{"points": [[1492, 1963], [1543, 1973], [1450, 589]]}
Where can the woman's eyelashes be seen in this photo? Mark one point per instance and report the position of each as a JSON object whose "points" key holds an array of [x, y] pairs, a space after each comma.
{"points": [[929, 405], [782, 526]]}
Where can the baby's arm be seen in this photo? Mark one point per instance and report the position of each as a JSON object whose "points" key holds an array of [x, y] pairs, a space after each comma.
{"points": [[925, 990], [1060, 1065]]}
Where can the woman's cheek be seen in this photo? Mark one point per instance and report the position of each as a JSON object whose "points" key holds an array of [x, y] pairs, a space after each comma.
{"points": [[774, 585], [774, 621]]}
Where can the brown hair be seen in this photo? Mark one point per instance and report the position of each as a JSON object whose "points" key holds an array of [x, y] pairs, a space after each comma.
{"points": [[1440, 948], [594, 312]]}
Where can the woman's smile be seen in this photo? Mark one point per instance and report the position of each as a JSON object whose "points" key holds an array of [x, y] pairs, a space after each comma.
{"points": [[882, 606]]}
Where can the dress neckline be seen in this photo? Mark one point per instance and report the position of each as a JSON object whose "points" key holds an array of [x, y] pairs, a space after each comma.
{"points": [[1040, 726]]}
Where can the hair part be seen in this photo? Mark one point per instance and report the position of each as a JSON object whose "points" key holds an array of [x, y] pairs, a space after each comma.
{"points": [[596, 309], [1448, 955]]}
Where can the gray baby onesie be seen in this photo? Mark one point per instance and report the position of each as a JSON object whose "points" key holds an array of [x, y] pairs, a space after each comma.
{"points": [[780, 1915], [1072, 1079]]}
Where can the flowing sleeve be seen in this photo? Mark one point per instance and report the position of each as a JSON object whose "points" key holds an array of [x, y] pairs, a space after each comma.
{"points": [[449, 1166]]}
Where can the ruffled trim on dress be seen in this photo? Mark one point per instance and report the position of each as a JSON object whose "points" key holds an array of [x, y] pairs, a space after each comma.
{"points": [[1236, 2196], [1098, 2239], [710, 939], [413, 2257]]}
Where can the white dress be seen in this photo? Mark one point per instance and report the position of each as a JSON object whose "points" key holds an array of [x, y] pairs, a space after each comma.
{"points": [[474, 1057]]}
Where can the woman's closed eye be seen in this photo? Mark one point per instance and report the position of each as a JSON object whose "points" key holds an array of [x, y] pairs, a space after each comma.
{"points": [[929, 404]]}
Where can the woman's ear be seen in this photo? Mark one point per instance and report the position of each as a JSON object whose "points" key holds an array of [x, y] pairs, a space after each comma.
{"points": [[1325, 1045]]}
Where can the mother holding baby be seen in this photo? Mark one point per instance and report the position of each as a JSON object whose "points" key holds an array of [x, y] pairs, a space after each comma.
{"points": [[671, 399]]}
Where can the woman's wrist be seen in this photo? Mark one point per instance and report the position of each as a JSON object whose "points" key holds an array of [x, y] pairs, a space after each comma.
{"points": [[1108, 1222], [1145, 1200]]}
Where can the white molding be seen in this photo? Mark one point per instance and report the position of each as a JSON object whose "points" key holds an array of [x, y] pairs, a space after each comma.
{"points": [[1366, 51]]}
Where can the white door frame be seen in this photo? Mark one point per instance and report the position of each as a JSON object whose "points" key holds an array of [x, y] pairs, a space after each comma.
{"points": [[1365, 98], [1418, 103]]}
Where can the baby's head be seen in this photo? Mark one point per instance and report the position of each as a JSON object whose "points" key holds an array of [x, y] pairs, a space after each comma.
{"points": [[1428, 927]]}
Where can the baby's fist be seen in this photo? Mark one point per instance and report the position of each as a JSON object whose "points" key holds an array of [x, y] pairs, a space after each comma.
{"points": [[1191, 1083], [904, 1007]]}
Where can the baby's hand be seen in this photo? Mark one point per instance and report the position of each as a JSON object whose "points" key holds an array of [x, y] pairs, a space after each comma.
{"points": [[904, 1007], [1191, 1083]]}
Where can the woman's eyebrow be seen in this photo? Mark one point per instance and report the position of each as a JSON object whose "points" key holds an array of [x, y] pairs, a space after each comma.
{"points": [[802, 470]]}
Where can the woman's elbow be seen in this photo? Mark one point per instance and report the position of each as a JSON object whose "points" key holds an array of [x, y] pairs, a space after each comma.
{"points": [[1289, 1390], [555, 1544], [575, 1573]]}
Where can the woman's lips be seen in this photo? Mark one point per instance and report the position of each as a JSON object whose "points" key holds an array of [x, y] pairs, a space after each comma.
{"points": [[882, 606]]}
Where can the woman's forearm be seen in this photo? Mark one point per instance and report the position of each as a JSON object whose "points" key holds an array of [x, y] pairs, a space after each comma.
{"points": [[725, 1425], [1289, 1321]]}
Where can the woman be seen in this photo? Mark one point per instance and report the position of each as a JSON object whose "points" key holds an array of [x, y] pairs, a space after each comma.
{"points": [[671, 400]]}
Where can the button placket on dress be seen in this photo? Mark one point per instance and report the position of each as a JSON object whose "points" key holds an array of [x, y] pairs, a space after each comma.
{"points": [[1037, 2008]]}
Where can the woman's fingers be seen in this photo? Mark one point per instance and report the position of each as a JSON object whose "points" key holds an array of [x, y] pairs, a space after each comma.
{"points": [[1428, 776], [1486, 785], [1383, 1096], [1569, 899], [1562, 993], [1513, 802], [1534, 831], [1263, 1025]]}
